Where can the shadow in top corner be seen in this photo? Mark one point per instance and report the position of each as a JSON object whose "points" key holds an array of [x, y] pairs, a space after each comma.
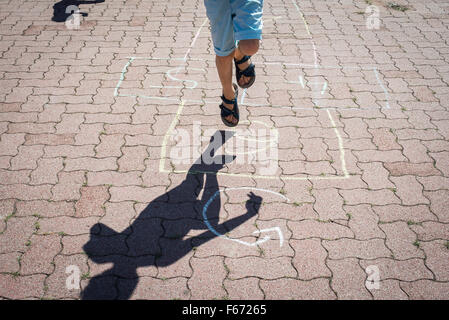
{"points": [[62, 9], [164, 231]]}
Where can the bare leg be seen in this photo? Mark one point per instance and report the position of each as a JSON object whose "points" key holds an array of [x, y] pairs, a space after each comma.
{"points": [[245, 48], [224, 68]]}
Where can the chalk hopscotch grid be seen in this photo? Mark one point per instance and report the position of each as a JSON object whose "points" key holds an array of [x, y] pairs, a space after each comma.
{"points": [[182, 102], [205, 101]]}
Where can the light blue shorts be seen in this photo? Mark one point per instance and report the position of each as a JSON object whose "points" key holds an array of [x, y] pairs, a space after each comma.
{"points": [[233, 20]]}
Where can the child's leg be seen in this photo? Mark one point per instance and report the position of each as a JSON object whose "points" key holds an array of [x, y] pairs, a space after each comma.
{"points": [[247, 47], [224, 68], [222, 30], [248, 32]]}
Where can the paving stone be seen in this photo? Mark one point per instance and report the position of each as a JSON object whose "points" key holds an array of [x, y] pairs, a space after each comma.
{"points": [[206, 285], [89, 134], [74, 244], [349, 248], [27, 157], [136, 193], [375, 175], [328, 204], [390, 213], [69, 186], [47, 171], [286, 289], [430, 230], [168, 267], [40, 254], [44, 208], [16, 176], [389, 290], [433, 183], [91, 201], [289, 211], [348, 288], [425, 290], [406, 168], [442, 161], [110, 146], [409, 190], [364, 222], [318, 229], [115, 178], [384, 139], [400, 240], [436, 257], [380, 156], [9, 262], [90, 164], [69, 151], [155, 289], [310, 259], [49, 139], [21, 287], [70, 123], [7, 207], [407, 270], [67, 225], [415, 151], [260, 267], [118, 215], [65, 281], [364, 196], [438, 203], [25, 192], [243, 289], [227, 248]]}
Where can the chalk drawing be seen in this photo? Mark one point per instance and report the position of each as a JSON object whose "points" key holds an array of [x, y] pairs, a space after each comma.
{"points": [[250, 244]]}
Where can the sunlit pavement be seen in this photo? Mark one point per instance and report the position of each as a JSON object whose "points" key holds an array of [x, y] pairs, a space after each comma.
{"points": [[94, 205]]}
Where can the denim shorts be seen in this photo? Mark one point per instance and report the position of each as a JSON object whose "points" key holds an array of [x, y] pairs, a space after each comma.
{"points": [[233, 20]]}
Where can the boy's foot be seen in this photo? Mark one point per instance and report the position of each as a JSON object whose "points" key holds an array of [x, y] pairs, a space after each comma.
{"points": [[244, 72], [229, 109]]}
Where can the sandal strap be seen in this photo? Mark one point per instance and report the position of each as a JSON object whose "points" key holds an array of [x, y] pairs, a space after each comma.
{"points": [[223, 98], [244, 59], [225, 111], [228, 112], [249, 71]]}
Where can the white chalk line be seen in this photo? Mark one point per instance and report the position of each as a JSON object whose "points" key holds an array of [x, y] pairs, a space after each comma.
{"points": [[194, 40], [250, 244], [182, 103], [173, 78], [308, 32], [169, 131], [230, 174], [204, 101], [122, 76], [387, 103], [243, 102], [340, 146]]}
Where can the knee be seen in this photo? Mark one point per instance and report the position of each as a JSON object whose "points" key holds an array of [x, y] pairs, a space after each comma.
{"points": [[224, 58], [249, 47]]}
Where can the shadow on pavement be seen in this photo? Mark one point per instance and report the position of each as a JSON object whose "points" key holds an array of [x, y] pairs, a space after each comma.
{"points": [[62, 9], [156, 237]]}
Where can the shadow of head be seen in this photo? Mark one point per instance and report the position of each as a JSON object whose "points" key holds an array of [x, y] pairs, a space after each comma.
{"points": [[167, 229], [65, 8]]}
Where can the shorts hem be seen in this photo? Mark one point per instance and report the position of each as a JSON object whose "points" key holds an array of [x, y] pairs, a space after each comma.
{"points": [[223, 53], [247, 35]]}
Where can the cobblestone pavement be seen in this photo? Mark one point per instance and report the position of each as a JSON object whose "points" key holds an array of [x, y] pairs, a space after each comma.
{"points": [[90, 191]]}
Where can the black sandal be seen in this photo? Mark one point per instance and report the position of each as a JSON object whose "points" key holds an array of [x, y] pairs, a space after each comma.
{"points": [[248, 72], [225, 112]]}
